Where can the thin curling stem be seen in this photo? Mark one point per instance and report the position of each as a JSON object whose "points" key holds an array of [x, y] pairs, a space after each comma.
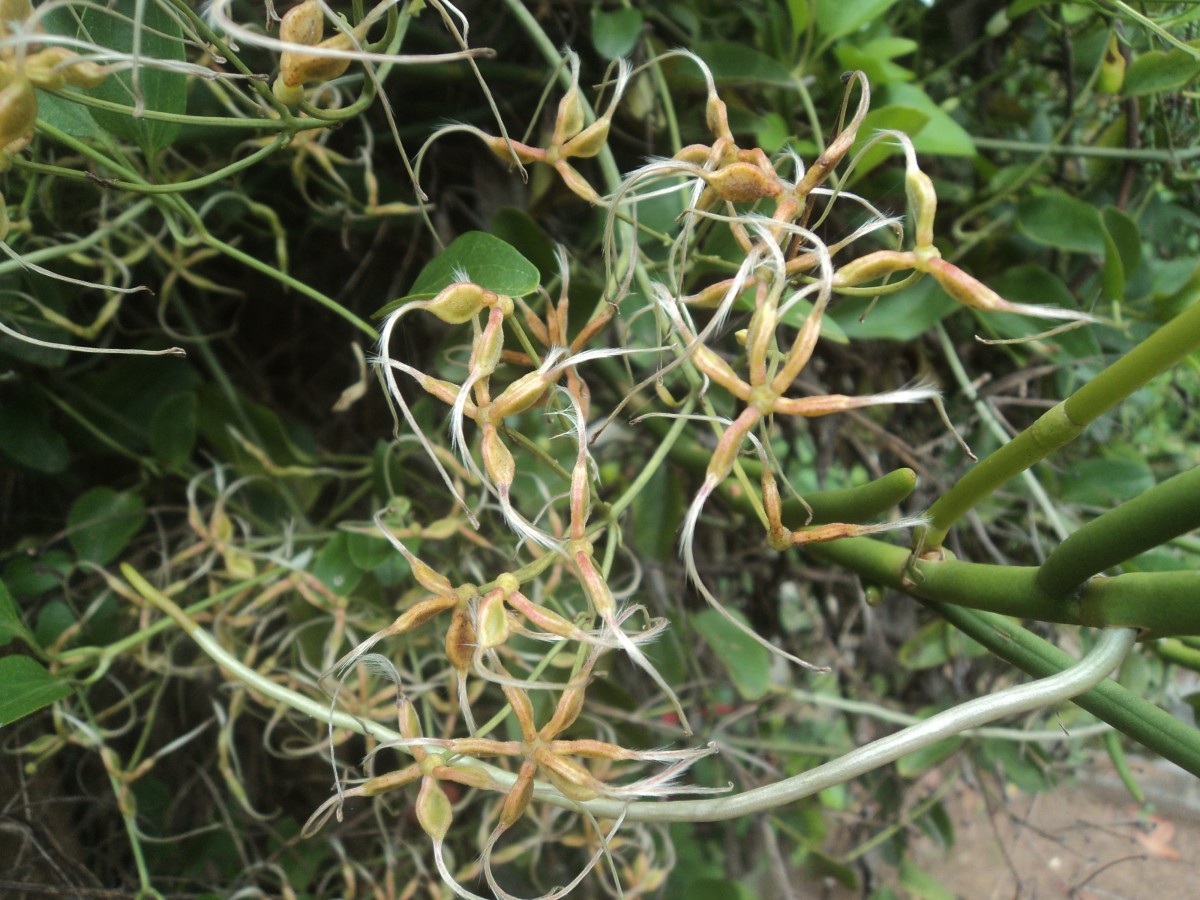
{"points": [[1104, 659], [1100, 662]]}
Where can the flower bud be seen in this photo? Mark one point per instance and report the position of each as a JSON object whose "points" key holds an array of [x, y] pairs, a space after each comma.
{"points": [[922, 198], [519, 796], [434, 811], [588, 142], [498, 461], [488, 346], [571, 778], [872, 267], [519, 396], [55, 67], [569, 120], [460, 302], [18, 112], [523, 709], [11, 11], [491, 621], [1112, 67]]}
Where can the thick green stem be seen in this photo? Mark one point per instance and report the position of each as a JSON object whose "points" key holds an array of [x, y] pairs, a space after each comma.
{"points": [[1153, 518], [1067, 420], [1149, 596]]}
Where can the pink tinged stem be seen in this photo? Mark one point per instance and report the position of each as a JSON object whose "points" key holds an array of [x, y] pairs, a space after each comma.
{"points": [[835, 403]]}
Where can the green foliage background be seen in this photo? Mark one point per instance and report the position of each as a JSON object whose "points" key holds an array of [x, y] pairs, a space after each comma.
{"points": [[1062, 141]]}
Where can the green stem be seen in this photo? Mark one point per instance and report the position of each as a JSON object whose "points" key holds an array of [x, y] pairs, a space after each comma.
{"points": [[1167, 157], [1063, 423], [1153, 518], [1062, 685], [295, 284], [1157, 603]]}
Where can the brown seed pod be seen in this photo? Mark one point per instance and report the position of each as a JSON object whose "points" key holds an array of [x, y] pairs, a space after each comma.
{"points": [[741, 182]]}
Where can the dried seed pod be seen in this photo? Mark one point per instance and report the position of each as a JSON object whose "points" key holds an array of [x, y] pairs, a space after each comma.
{"points": [[306, 67], [742, 182], [460, 641], [303, 24]]}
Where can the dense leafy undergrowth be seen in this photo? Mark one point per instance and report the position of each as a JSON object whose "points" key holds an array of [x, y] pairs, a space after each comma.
{"points": [[433, 437]]}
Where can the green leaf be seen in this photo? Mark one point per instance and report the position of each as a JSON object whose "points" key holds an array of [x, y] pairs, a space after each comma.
{"points": [[878, 68], [894, 118], [941, 136], [938, 825], [921, 761], [1059, 220], [173, 429], [484, 259], [799, 13], [28, 576], [368, 551], [161, 90], [838, 18], [27, 437], [28, 686], [516, 227], [335, 566], [1112, 275], [657, 513], [11, 625], [935, 644], [52, 621], [1100, 482], [896, 317], [1125, 235], [615, 33], [74, 119], [101, 523], [747, 661], [731, 61], [919, 884], [1159, 70]]}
